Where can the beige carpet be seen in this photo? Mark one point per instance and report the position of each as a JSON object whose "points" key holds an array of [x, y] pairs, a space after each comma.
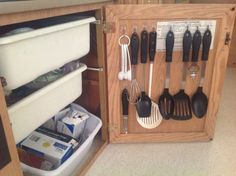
{"points": [[216, 158]]}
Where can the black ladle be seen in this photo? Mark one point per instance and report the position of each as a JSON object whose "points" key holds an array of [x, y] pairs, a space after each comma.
{"points": [[144, 103], [199, 99]]}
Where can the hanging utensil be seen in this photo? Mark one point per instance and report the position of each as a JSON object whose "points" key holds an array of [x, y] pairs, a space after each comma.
{"points": [[144, 103], [166, 101], [194, 68], [199, 99], [152, 53], [155, 117], [182, 108], [134, 85], [125, 73], [125, 109]]}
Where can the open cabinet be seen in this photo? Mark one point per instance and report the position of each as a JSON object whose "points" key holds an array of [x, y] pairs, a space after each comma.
{"points": [[101, 93]]}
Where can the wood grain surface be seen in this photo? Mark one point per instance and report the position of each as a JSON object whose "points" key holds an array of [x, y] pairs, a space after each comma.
{"points": [[130, 16], [232, 52], [13, 168]]}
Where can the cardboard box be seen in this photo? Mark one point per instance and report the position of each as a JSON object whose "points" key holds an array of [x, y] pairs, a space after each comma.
{"points": [[73, 124], [53, 150], [33, 160]]}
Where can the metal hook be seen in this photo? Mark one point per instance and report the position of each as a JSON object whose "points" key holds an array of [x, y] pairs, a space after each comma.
{"points": [[123, 29], [153, 28], [135, 28]]}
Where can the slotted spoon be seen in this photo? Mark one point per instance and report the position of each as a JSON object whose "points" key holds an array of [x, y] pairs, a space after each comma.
{"points": [[166, 101]]}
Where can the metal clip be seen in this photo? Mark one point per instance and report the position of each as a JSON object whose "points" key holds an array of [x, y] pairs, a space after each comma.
{"points": [[97, 22]]}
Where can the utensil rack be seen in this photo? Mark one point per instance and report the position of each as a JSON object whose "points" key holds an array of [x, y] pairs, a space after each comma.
{"points": [[194, 129]]}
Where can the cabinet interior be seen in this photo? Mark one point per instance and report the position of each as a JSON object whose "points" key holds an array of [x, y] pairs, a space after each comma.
{"points": [[93, 82]]}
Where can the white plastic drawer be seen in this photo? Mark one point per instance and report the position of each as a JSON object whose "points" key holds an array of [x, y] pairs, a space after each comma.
{"points": [[69, 167], [32, 111], [27, 55]]}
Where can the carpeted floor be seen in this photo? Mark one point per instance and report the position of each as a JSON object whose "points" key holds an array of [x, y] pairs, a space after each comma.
{"points": [[216, 158]]}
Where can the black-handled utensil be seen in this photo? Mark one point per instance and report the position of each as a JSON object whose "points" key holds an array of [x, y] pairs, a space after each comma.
{"points": [[144, 46], [152, 53], [182, 109], [187, 41], [196, 43], [134, 47], [144, 103], [125, 109], [199, 99], [134, 85], [169, 45], [166, 101], [152, 45], [197, 39]]}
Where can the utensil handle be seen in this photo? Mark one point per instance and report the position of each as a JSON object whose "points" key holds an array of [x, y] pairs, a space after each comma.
{"points": [[150, 80], [152, 45], [144, 46], [206, 43], [125, 103], [169, 45], [187, 40], [197, 39], [125, 121], [134, 46]]}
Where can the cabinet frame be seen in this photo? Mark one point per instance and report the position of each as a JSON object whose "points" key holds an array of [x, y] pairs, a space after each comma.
{"points": [[111, 128]]}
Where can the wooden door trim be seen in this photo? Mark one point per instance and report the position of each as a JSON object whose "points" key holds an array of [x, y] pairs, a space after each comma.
{"points": [[225, 13], [13, 168]]}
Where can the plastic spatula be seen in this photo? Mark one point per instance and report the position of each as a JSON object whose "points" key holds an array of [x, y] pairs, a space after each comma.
{"points": [[155, 118], [144, 104], [182, 110], [199, 99]]}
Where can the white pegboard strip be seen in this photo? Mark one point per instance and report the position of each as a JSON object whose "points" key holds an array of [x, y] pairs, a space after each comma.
{"points": [[179, 27]]}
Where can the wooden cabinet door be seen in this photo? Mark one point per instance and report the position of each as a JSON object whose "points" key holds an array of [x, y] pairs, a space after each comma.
{"points": [[9, 161], [127, 18]]}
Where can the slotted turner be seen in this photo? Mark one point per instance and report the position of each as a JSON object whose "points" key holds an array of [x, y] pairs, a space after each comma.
{"points": [[166, 101], [182, 109]]}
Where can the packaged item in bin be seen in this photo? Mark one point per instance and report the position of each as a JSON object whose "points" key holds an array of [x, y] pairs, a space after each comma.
{"points": [[53, 150], [33, 160], [59, 136], [73, 123], [52, 123]]}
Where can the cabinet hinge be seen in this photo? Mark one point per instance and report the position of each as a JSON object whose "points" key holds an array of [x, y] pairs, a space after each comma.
{"points": [[227, 38], [108, 27]]}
